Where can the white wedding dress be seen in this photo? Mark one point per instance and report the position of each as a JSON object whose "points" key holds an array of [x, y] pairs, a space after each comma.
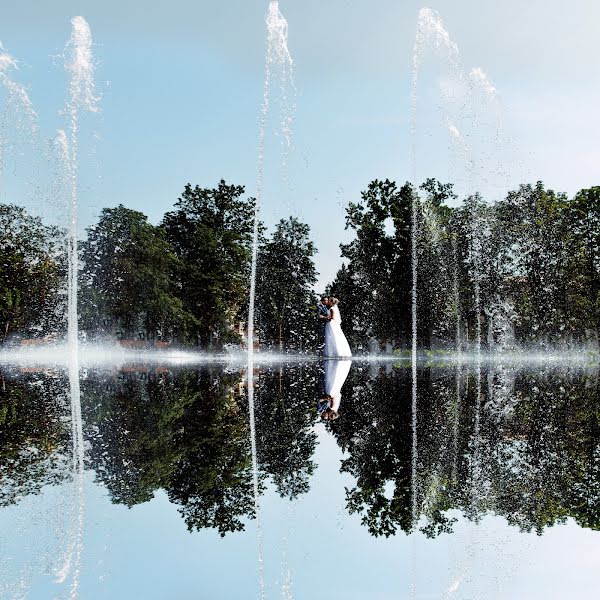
{"points": [[336, 373], [336, 344]]}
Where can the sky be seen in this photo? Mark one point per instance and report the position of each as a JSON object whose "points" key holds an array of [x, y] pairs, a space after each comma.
{"points": [[181, 86]]}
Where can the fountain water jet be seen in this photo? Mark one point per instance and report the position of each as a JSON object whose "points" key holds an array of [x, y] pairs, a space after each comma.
{"points": [[465, 95], [17, 99], [277, 55], [80, 66], [428, 26]]}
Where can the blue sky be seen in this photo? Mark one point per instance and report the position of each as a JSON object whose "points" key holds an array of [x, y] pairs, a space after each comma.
{"points": [[181, 86]]}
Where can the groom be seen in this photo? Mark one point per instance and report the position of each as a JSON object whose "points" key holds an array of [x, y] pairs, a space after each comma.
{"points": [[324, 315]]}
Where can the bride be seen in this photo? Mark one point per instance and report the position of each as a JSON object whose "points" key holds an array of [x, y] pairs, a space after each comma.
{"points": [[336, 344]]}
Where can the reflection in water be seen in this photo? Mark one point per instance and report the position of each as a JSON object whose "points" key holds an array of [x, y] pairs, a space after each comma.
{"points": [[334, 377], [182, 432], [33, 438], [516, 442]]}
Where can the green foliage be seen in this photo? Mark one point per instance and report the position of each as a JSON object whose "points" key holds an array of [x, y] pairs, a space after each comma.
{"points": [[376, 283], [285, 415], [127, 278], [185, 433], [31, 270], [210, 231], [286, 301], [34, 443], [374, 288], [517, 442], [537, 232], [525, 270], [584, 286]]}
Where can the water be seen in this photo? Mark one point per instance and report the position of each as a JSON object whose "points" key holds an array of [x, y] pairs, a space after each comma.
{"points": [[278, 60], [466, 100], [506, 451], [18, 109], [431, 482], [80, 67]]}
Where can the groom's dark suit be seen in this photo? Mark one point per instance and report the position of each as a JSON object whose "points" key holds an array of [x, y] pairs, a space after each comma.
{"points": [[323, 311], [323, 314]]}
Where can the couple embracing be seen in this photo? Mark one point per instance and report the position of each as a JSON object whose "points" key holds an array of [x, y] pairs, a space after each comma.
{"points": [[335, 342]]}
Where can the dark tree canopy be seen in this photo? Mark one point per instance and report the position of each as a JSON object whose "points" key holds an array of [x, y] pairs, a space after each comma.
{"points": [[184, 433], [34, 442], [522, 271], [31, 273], [127, 281], [210, 231], [286, 300], [519, 442]]}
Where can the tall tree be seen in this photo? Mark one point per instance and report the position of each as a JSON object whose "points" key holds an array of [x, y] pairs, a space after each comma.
{"points": [[211, 233], [31, 269], [378, 277], [184, 432], [285, 434], [34, 439], [537, 232], [584, 221], [127, 277], [286, 276], [434, 249], [379, 262]]}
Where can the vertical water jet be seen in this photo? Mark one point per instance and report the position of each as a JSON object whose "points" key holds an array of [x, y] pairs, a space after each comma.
{"points": [[80, 67], [18, 109], [277, 55]]}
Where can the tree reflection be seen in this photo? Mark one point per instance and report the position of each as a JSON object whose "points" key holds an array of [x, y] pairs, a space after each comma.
{"points": [[34, 439], [285, 416], [185, 433], [522, 443]]}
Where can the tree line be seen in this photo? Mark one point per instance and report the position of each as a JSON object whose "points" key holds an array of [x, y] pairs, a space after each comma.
{"points": [[185, 280], [523, 270]]}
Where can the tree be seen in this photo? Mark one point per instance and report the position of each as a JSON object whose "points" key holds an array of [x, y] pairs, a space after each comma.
{"points": [[286, 275], [377, 279], [185, 433], [379, 263], [127, 278], [210, 231], [285, 434], [434, 266], [584, 221], [34, 441], [537, 235], [31, 273], [484, 273], [374, 433]]}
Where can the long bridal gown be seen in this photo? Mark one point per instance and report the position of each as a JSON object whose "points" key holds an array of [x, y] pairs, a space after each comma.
{"points": [[336, 344], [336, 373]]}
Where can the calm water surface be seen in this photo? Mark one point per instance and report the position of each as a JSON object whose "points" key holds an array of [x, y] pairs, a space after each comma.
{"points": [[490, 489]]}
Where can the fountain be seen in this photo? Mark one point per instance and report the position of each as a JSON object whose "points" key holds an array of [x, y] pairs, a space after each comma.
{"points": [[80, 66], [431, 33], [466, 96], [453, 437], [277, 56], [19, 108]]}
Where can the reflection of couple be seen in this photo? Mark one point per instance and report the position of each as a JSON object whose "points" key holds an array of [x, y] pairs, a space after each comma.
{"points": [[336, 372], [335, 342]]}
